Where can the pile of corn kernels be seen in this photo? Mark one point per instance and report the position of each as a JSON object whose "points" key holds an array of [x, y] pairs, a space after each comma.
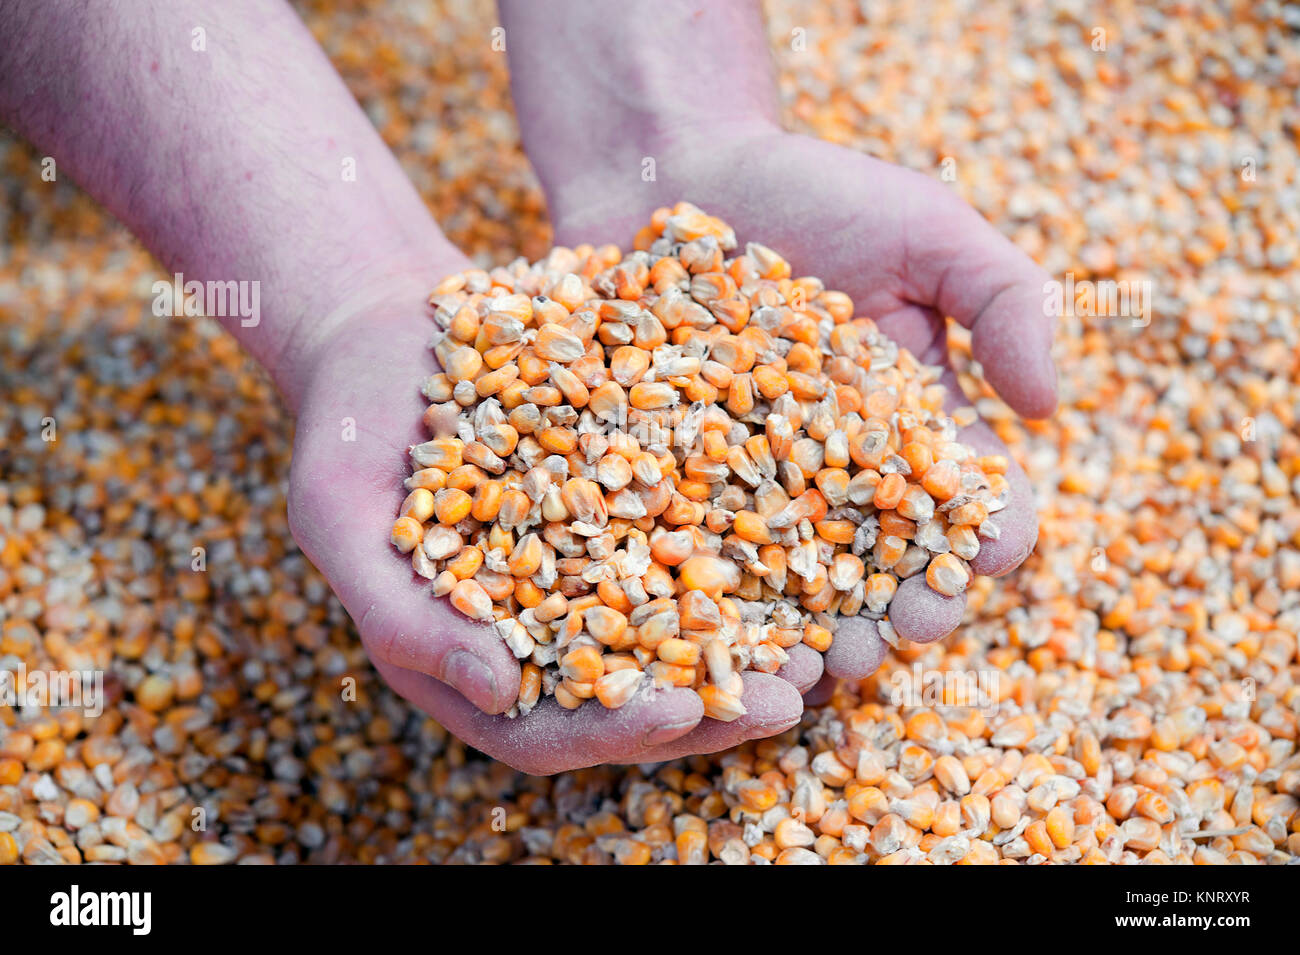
{"points": [[1145, 701], [675, 466]]}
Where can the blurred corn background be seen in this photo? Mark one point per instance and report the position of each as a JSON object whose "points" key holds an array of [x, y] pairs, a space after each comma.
{"points": [[1143, 661]]}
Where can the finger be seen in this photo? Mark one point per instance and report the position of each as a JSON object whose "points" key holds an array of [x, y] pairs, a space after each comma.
{"points": [[921, 330], [857, 650], [772, 706], [405, 625], [345, 494], [804, 667], [821, 694], [980, 278], [921, 614], [1017, 523], [551, 739], [399, 619]]}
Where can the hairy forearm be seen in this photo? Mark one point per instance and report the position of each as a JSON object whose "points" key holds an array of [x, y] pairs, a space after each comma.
{"points": [[221, 135], [602, 86]]}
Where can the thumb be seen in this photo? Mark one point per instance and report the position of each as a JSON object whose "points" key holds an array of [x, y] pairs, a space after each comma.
{"points": [[343, 496], [340, 525], [981, 279]]}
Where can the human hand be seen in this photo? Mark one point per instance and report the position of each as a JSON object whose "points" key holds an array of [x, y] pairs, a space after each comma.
{"points": [[908, 252], [681, 104], [359, 412], [276, 178]]}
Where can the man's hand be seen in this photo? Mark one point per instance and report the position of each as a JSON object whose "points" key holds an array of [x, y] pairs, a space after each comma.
{"points": [[245, 158], [908, 252], [359, 412], [227, 162], [679, 104]]}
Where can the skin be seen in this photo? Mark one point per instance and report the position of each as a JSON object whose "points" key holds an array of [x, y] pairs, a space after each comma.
{"points": [[689, 85], [227, 165]]}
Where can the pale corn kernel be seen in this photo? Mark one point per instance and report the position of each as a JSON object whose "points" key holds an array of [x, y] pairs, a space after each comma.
{"points": [[616, 688], [605, 624], [406, 534], [720, 705], [469, 597], [677, 651], [947, 575]]}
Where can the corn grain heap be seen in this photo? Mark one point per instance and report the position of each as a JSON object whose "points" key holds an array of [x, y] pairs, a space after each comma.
{"points": [[644, 466], [1147, 684]]}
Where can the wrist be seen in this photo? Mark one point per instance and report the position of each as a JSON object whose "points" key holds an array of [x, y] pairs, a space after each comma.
{"points": [[619, 99], [366, 298]]}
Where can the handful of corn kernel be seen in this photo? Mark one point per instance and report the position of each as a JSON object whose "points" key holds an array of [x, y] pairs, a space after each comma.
{"points": [[670, 466]]}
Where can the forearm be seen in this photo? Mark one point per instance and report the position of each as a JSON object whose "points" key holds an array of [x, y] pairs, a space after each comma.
{"points": [[231, 162], [602, 86]]}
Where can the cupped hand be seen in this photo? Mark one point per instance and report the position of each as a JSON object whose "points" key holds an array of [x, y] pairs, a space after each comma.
{"points": [[359, 412], [909, 253]]}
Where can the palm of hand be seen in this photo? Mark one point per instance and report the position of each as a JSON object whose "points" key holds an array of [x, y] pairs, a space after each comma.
{"points": [[908, 252], [359, 415], [899, 244]]}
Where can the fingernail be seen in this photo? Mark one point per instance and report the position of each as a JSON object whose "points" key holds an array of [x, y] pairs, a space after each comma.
{"points": [[472, 677], [667, 732]]}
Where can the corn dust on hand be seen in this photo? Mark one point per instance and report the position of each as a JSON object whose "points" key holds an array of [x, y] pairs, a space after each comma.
{"points": [[672, 465]]}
